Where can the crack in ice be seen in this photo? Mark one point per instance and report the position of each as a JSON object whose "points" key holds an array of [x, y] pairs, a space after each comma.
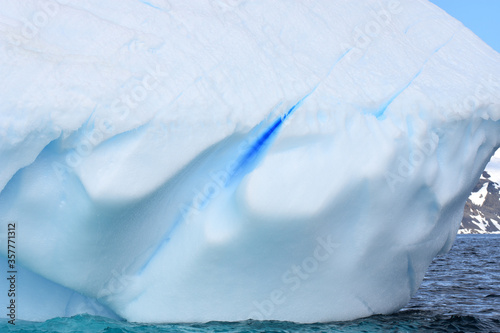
{"points": [[381, 111]]}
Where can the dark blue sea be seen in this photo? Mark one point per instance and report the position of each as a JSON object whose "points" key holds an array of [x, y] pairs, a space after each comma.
{"points": [[461, 293]]}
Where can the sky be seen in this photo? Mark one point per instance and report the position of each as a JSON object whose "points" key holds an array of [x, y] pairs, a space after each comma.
{"points": [[494, 167], [480, 16]]}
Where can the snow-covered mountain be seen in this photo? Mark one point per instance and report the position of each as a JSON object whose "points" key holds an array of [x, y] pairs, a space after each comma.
{"points": [[482, 210]]}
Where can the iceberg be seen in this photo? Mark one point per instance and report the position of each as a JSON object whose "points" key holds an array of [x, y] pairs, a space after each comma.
{"points": [[192, 161]]}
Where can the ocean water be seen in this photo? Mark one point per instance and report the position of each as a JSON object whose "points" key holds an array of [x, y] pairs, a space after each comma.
{"points": [[461, 293]]}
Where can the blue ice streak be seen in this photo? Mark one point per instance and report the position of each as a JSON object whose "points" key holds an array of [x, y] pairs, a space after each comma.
{"points": [[246, 163]]}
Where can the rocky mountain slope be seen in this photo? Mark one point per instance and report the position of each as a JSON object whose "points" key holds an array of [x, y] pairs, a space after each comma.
{"points": [[482, 210]]}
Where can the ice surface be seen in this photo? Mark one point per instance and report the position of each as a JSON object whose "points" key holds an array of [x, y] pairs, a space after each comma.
{"points": [[171, 161]]}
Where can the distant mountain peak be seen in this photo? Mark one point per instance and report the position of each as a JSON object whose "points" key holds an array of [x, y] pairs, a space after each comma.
{"points": [[482, 209]]}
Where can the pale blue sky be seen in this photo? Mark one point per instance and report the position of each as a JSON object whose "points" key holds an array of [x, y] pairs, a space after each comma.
{"points": [[480, 16]]}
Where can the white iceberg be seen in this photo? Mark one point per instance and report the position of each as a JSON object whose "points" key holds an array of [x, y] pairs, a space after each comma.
{"points": [[189, 161]]}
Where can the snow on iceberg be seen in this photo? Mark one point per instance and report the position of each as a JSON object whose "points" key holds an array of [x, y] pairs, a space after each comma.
{"points": [[173, 161]]}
